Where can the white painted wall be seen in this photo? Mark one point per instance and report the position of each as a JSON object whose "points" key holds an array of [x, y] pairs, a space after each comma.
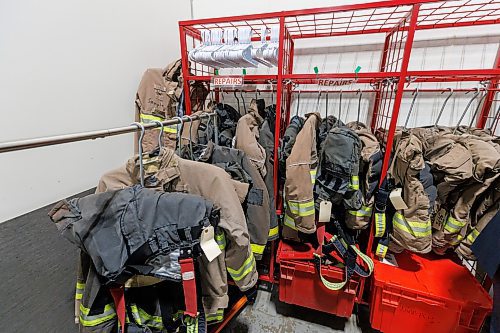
{"points": [[71, 66]]}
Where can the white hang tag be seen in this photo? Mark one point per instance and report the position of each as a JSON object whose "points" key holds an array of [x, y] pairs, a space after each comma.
{"points": [[208, 243], [396, 197], [325, 211], [439, 219]]}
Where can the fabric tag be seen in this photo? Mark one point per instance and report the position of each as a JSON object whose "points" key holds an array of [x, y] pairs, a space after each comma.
{"points": [[208, 243], [439, 219], [325, 211], [396, 197]]}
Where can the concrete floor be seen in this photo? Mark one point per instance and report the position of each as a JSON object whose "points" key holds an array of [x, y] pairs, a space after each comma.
{"points": [[37, 274], [268, 314]]}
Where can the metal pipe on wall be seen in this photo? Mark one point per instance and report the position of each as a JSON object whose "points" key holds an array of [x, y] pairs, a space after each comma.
{"points": [[91, 135]]}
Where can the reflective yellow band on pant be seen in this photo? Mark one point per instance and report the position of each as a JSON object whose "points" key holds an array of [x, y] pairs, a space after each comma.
{"points": [[381, 250], [471, 237], [246, 268], [257, 249], [191, 324], [289, 222], [354, 183], [149, 118], [94, 320], [305, 208], [380, 223], [80, 287], [453, 225], [365, 211], [313, 176], [221, 240], [215, 317], [457, 240], [141, 317], [415, 228], [273, 231]]}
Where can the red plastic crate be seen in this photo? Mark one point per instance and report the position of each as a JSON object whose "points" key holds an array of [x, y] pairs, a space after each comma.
{"points": [[426, 294], [300, 283]]}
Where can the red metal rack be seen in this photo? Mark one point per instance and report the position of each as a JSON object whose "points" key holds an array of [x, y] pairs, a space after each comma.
{"points": [[398, 20]]}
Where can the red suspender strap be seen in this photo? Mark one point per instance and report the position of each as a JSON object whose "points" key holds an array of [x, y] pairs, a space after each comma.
{"points": [[189, 285], [119, 299], [320, 233]]}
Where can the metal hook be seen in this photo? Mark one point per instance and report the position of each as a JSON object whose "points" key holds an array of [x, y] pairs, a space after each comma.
{"points": [[298, 103], [359, 105], [467, 108], [477, 109], [141, 137], [160, 136], [415, 94], [243, 102], [495, 120], [326, 111], [340, 107], [190, 137], [179, 134], [442, 107]]}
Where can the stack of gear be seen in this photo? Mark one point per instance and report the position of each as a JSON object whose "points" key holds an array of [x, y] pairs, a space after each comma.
{"points": [[325, 163], [449, 181], [138, 232], [159, 97]]}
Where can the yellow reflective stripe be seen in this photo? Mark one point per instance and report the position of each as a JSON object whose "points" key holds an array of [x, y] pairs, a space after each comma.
{"points": [[354, 183], [364, 211], [86, 320], [257, 249], [247, 267], [144, 318], [457, 240], [191, 324], [415, 228], [471, 237], [302, 208], [273, 231], [80, 287], [313, 173], [289, 222], [453, 225], [221, 240], [149, 118], [381, 250], [380, 223], [218, 316]]}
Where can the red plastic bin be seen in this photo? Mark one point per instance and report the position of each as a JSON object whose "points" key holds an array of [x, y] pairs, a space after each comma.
{"points": [[300, 283], [426, 294]]}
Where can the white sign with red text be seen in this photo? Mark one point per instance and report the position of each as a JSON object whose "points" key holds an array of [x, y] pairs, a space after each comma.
{"points": [[227, 81]]}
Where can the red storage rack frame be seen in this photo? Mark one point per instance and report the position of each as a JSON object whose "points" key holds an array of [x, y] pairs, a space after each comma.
{"points": [[398, 20]]}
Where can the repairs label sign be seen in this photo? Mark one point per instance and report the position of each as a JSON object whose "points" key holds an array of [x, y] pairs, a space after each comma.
{"points": [[227, 81]]}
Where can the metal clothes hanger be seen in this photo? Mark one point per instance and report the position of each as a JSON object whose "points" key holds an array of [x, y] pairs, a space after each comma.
{"points": [[467, 108], [495, 120], [160, 136], [415, 94], [179, 135], [190, 138], [243, 102], [477, 109], [298, 103], [340, 107], [141, 137], [442, 107]]}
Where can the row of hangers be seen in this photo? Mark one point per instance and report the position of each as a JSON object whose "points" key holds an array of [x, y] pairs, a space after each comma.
{"points": [[232, 48]]}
